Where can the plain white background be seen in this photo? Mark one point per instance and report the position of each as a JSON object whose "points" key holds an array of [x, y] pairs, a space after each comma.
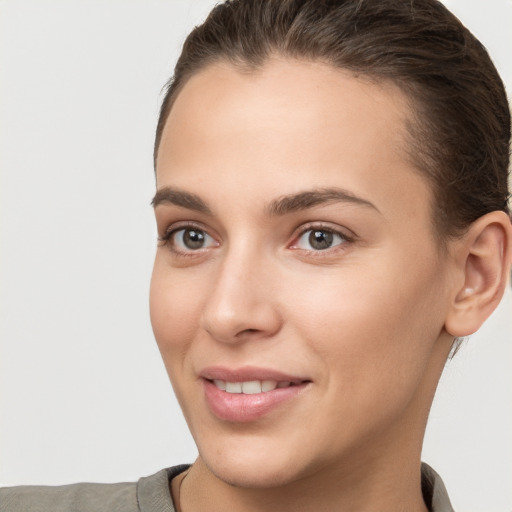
{"points": [[83, 393]]}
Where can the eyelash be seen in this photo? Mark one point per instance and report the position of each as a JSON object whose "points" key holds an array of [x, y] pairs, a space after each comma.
{"points": [[344, 238], [166, 239]]}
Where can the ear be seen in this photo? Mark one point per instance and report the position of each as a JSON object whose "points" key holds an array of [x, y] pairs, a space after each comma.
{"points": [[484, 256]]}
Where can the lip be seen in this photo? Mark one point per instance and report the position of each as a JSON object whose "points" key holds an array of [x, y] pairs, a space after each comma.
{"points": [[246, 373], [242, 408]]}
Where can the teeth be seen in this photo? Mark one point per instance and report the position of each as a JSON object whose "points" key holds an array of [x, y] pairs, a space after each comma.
{"points": [[250, 387], [221, 384], [234, 387], [268, 385]]}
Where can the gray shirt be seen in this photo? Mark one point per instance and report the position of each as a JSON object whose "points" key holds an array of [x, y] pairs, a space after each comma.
{"points": [[149, 494]]}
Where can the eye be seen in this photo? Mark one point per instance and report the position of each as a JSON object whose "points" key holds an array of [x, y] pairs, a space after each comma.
{"points": [[319, 239], [189, 239]]}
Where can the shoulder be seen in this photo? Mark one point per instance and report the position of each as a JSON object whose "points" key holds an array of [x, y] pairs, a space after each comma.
{"points": [[434, 491], [149, 494], [77, 497]]}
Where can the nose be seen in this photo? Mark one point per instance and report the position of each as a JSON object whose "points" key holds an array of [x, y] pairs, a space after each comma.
{"points": [[243, 304]]}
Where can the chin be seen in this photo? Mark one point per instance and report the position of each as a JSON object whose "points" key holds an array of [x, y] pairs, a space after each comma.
{"points": [[255, 462], [263, 475]]}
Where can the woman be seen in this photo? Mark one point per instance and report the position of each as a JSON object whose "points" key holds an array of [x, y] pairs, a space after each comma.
{"points": [[332, 212]]}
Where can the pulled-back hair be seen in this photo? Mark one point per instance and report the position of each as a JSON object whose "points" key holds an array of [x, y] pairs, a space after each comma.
{"points": [[459, 133]]}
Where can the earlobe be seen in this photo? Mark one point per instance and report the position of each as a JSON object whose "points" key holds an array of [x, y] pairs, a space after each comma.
{"points": [[485, 259]]}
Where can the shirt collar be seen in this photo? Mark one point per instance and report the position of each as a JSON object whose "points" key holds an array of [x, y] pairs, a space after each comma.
{"points": [[434, 492]]}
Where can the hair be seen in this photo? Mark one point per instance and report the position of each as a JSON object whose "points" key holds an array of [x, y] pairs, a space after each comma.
{"points": [[459, 132]]}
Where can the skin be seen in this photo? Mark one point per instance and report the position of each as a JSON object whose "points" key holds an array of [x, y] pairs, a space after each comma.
{"points": [[365, 319]]}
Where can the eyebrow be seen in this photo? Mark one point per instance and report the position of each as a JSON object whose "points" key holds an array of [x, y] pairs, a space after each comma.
{"points": [[278, 207], [177, 197], [310, 198]]}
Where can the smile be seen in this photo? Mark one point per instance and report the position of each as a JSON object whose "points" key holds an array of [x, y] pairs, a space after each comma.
{"points": [[251, 387], [249, 394]]}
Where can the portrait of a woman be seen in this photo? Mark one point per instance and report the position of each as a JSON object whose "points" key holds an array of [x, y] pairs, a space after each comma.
{"points": [[332, 210]]}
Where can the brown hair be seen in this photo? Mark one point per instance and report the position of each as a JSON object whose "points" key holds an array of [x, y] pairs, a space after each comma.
{"points": [[460, 132]]}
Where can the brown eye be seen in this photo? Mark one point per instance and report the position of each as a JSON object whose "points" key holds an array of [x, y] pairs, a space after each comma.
{"points": [[318, 239], [191, 239]]}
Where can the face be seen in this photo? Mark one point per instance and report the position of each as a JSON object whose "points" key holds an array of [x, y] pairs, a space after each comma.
{"points": [[296, 264]]}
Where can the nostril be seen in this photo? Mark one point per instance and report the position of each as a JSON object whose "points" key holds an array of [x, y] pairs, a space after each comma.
{"points": [[246, 331], [231, 318]]}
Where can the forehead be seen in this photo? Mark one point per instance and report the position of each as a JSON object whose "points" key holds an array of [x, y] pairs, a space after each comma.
{"points": [[293, 124], [296, 93]]}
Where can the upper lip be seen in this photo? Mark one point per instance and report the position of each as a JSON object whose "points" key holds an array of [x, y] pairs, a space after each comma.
{"points": [[248, 373]]}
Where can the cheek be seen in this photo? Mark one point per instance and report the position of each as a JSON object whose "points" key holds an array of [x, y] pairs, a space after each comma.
{"points": [[175, 312], [374, 330]]}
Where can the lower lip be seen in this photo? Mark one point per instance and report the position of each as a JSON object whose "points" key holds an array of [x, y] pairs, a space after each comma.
{"points": [[240, 408]]}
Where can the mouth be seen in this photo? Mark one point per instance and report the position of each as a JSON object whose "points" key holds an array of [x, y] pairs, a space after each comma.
{"points": [[248, 394], [252, 387]]}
